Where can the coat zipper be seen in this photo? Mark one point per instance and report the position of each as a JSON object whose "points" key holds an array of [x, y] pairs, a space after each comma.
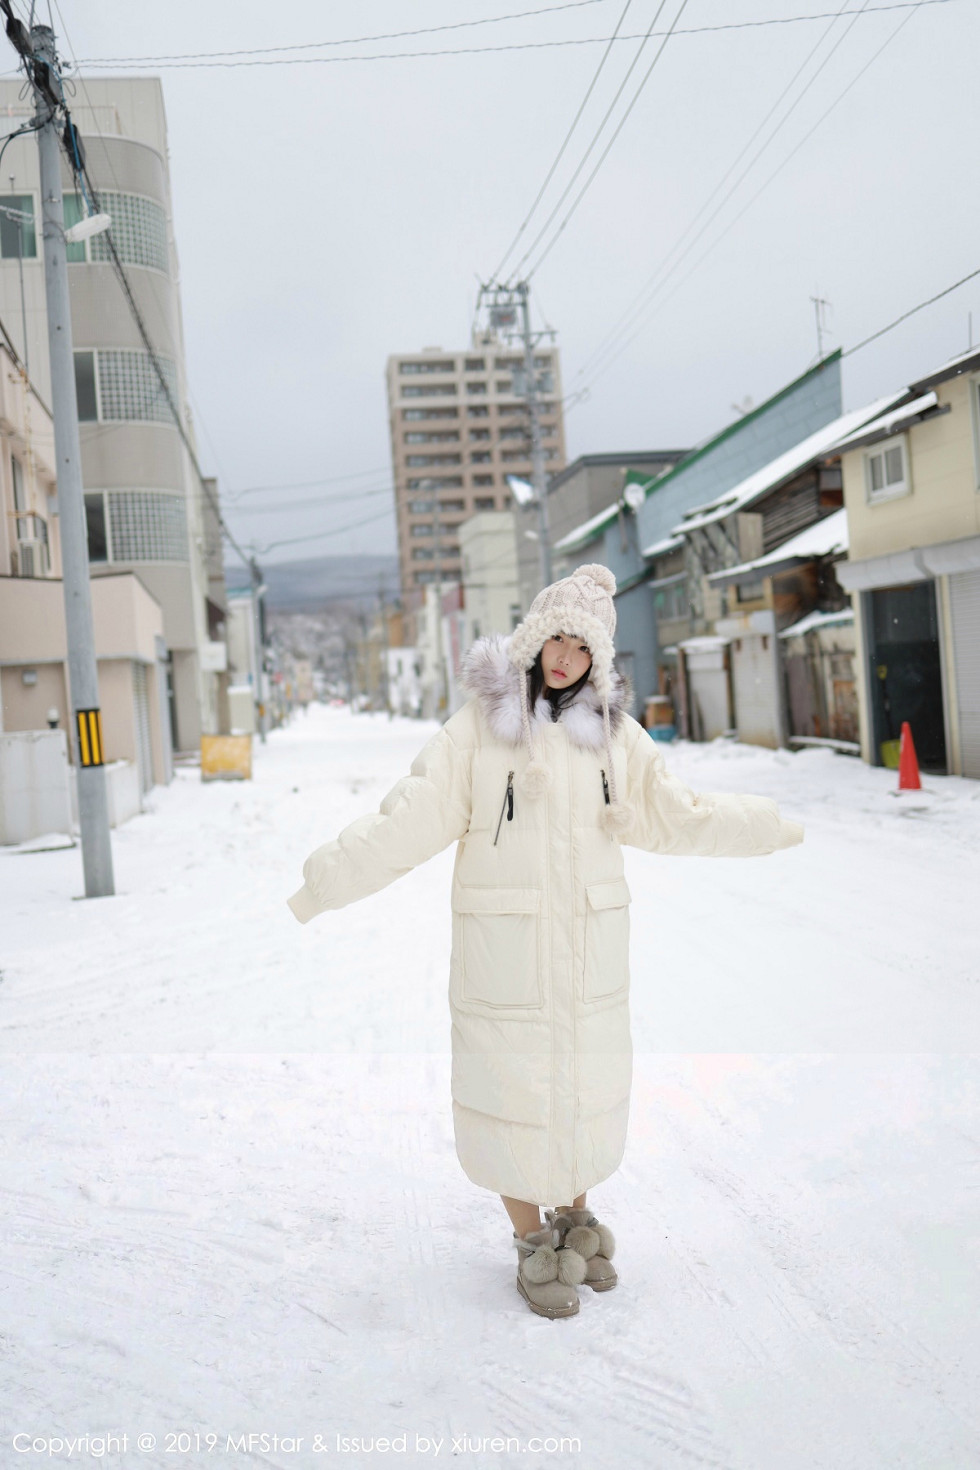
{"points": [[508, 803], [605, 787]]}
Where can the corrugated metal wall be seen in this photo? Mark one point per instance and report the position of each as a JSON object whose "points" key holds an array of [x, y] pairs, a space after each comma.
{"points": [[964, 599]]}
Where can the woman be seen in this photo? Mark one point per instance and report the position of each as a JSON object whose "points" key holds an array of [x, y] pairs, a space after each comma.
{"points": [[540, 778]]}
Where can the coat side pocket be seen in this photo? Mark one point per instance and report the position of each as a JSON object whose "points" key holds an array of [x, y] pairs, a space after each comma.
{"points": [[607, 940], [499, 946]]}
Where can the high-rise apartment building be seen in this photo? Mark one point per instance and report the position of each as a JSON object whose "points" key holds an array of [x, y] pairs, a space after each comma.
{"points": [[146, 510], [459, 426]]}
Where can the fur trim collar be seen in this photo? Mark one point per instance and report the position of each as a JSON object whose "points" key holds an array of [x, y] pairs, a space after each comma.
{"points": [[489, 673]]}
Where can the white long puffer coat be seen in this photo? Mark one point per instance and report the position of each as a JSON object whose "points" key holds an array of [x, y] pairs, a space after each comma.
{"points": [[539, 974]]}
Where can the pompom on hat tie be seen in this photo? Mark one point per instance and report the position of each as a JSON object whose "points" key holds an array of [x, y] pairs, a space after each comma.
{"points": [[581, 606]]}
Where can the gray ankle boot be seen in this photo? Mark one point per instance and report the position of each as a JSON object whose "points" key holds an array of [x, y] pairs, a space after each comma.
{"points": [[547, 1274], [580, 1231]]}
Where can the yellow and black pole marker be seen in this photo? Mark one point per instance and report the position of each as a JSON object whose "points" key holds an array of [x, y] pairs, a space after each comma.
{"points": [[88, 724]]}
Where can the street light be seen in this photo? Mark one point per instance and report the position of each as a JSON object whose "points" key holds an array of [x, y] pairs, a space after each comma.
{"points": [[84, 229]]}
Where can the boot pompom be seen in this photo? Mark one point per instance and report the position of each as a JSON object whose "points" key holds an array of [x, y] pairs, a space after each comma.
{"points": [[535, 779], [571, 1267], [607, 1241], [541, 1265], [616, 819], [584, 1239]]}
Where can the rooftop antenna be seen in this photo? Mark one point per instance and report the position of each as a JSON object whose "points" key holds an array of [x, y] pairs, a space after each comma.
{"points": [[820, 307]]}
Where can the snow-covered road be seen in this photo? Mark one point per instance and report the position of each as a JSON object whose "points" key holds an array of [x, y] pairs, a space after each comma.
{"points": [[230, 1202]]}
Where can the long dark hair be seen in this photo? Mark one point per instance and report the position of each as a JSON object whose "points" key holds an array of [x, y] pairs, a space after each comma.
{"points": [[557, 699]]}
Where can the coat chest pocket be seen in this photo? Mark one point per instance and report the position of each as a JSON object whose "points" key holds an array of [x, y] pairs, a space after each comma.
{"points": [[497, 938], [607, 940]]}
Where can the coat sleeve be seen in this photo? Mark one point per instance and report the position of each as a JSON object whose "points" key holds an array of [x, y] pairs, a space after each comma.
{"points": [[423, 813], [670, 818]]}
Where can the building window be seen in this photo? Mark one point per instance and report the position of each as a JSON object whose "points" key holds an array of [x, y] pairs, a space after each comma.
{"points": [[423, 553], [423, 529], [17, 235], [475, 388], [411, 414], [542, 362], [475, 364], [513, 431], [427, 367], [477, 434], [145, 525], [448, 436], [419, 461], [120, 384], [478, 411], [483, 479], [886, 470], [95, 524], [445, 482], [513, 455], [429, 390], [139, 232], [512, 410], [506, 385], [750, 591], [452, 505], [88, 403], [484, 502], [505, 364], [481, 457]]}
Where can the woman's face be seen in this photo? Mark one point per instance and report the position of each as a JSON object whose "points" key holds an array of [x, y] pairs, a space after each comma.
{"points": [[564, 660]]}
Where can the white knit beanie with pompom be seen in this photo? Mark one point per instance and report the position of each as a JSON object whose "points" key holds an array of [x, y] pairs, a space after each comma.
{"points": [[580, 606]]}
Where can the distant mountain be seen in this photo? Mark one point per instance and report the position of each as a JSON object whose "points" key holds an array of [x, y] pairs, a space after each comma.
{"points": [[322, 581]]}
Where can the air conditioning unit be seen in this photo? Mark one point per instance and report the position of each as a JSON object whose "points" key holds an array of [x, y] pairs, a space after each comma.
{"points": [[30, 558]]}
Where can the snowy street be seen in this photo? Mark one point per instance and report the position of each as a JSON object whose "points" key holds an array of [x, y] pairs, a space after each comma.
{"points": [[230, 1201]]}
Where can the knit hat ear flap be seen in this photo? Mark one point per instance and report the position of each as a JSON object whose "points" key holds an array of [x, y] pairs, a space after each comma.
{"points": [[535, 779]]}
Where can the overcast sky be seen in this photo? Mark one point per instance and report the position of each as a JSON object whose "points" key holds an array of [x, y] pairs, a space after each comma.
{"points": [[332, 212]]}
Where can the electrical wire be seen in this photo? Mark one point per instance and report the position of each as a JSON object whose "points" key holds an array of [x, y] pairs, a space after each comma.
{"points": [[565, 142], [154, 63], [654, 280], [639, 318], [849, 351], [608, 148], [457, 25], [321, 535], [308, 484], [515, 273]]}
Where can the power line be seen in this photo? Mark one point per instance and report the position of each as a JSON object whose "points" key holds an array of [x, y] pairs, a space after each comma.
{"points": [[458, 25], [606, 151], [565, 142], [320, 535], [314, 504], [654, 280], [309, 484], [748, 205], [849, 351], [515, 273], [154, 63]]}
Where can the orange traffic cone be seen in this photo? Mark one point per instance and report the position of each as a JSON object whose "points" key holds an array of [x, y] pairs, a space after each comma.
{"points": [[908, 765]]}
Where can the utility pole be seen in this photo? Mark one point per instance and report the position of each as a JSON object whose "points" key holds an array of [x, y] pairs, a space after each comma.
{"points": [[506, 304], [538, 477], [258, 590], [38, 51]]}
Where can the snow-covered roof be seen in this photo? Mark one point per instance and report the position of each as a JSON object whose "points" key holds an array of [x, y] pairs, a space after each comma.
{"points": [[785, 466], [585, 531], [824, 538], [890, 422], [660, 548], [818, 620], [704, 644]]}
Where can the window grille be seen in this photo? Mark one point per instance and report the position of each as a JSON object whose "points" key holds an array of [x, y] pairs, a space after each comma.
{"points": [[146, 525], [130, 389], [139, 231]]}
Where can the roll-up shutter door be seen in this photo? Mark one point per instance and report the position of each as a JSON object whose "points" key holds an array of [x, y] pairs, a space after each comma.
{"points": [[964, 597]]}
